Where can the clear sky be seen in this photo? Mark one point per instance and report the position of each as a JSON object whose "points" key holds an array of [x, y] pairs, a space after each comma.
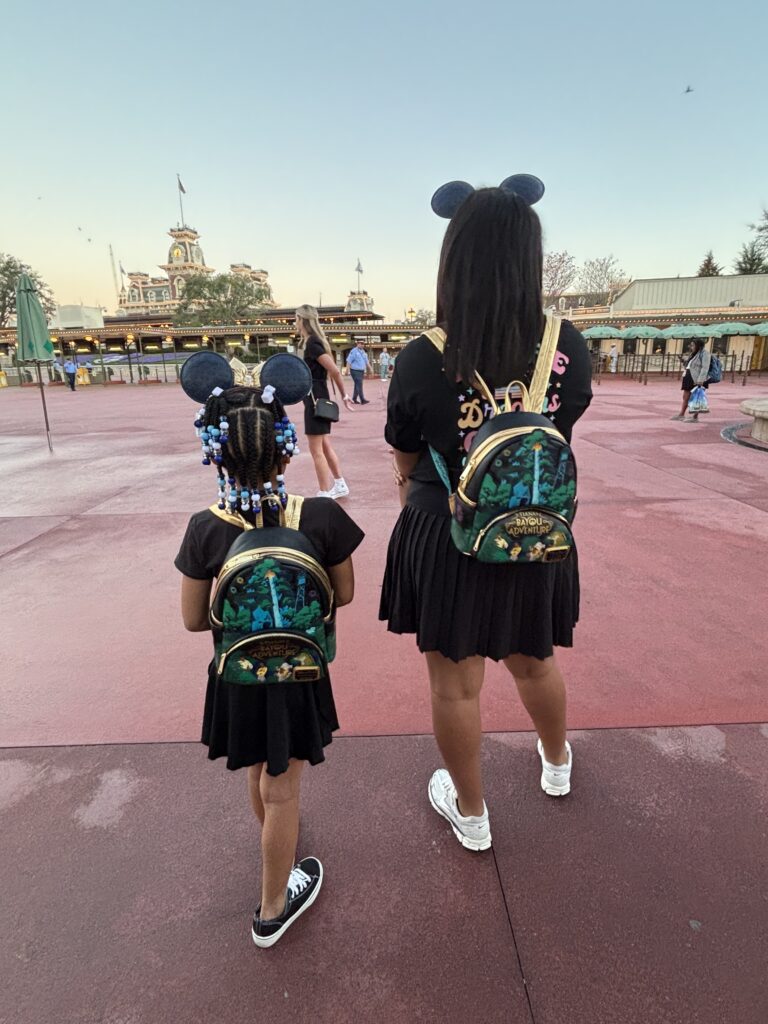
{"points": [[310, 134]]}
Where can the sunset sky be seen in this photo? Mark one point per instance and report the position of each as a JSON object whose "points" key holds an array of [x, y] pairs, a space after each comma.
{"points": [[308, 135]]}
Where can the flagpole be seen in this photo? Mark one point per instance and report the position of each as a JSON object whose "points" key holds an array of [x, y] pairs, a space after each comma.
{"points": [[181, 205]]}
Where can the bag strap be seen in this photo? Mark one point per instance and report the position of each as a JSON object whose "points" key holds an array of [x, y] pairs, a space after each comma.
{"points": [[290, 516], [533, 396], [547, 350], [293, 511], [231, 517]]}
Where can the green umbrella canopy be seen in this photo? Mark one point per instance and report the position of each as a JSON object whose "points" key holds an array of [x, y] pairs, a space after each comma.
{"points": [[687, 331], [31, 326], [718, 330], [641, 331], [602, 332]]}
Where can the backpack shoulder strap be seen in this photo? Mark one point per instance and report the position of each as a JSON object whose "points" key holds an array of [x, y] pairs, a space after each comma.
{"points": [[437, 336], [228, 517], [293, 511], [540, 380]]}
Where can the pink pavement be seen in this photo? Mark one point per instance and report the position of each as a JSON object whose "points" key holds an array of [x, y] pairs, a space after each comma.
{"points": [[131, 864], [672, 533]]}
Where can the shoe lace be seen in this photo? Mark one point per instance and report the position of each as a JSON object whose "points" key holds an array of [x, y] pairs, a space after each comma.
{"points": [[298, 881]]}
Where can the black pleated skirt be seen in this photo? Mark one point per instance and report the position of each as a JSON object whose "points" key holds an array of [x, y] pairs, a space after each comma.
{"points": [[268, 724], [461, 607]]}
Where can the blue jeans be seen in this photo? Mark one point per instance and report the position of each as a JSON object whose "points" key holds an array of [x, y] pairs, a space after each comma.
{"points": [[357, 392]]}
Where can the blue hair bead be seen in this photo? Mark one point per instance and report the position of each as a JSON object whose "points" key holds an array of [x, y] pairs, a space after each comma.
{"points": [[206, 461]]}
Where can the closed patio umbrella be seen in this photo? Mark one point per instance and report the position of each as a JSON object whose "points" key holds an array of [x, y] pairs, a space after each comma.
{"points": [[32, 332]]}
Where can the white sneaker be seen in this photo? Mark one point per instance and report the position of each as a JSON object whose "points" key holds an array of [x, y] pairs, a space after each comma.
{"points": [[472, 833], [555, 778], [339, 489], [324, 494]]}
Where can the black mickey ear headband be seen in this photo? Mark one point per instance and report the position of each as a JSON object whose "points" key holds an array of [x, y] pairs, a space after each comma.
{"points": [[449, 197]]}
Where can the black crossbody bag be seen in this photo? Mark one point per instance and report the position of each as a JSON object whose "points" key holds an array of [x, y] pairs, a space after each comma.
{"points": [[325, 409]]}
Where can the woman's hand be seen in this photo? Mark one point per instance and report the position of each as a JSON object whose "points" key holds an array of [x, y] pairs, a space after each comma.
{"points": [[399, 478], [346, 400]]}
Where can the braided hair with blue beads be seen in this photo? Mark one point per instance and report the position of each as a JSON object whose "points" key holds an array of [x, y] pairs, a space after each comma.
{"points": [[247, 435]]}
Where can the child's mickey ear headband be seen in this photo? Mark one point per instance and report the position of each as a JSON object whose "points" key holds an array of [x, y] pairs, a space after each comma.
{"points": [[289, 376], [449, 197]]}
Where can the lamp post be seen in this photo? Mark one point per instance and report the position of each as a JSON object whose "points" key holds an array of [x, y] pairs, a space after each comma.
{"points": [[168, 344], [129, 343]]}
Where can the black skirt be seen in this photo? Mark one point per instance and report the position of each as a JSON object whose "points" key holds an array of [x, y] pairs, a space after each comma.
{"points": [[268, 724], [461, 607], [312, 425]]}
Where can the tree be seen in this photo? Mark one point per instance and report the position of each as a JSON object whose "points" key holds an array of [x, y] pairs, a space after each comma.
{"points": [[424, 318], [558, 275], [708, 267], [10, 271], [761, 230], [751, 259], [601, 280], [220, 299]]}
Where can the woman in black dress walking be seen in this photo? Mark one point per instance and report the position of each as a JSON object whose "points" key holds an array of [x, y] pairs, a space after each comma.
{"points": [[489, 302], [318, 356]]}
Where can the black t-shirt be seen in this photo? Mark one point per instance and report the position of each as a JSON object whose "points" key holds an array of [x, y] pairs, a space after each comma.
{"points": [[313, 350], [425, 409], [323, 521]]}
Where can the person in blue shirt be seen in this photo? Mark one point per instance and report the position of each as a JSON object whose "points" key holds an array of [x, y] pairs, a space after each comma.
{"points": [[357, 361], [70, 368]]}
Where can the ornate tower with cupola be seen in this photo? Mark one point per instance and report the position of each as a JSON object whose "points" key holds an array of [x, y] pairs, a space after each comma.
{"points": [[185, 258]]}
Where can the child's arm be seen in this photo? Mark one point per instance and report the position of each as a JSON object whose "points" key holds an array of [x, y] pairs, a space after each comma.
{"points": [[195, 598], [343, 581]]}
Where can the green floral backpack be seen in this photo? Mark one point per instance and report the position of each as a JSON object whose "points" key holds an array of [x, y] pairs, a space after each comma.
{"points": [[516, 496], [272, 612]]}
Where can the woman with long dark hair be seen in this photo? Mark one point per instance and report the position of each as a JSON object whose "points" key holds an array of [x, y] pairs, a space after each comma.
{"points": [[695, 375], [489, 303]]}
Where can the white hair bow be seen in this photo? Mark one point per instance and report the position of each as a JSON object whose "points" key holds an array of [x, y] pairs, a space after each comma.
{"points": [[268, 394]]}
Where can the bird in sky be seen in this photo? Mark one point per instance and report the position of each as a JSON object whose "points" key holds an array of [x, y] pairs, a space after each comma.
{"points": [[688, 89]]}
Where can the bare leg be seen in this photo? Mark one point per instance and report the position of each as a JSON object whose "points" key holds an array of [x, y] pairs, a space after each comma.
{"points": [[686, 400], [542, 691], [279, 836], [455, 689], [254, 782], [322, 469], [331, 457]]}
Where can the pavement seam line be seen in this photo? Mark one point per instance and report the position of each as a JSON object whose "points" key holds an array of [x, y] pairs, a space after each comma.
{"points": [[514, 939]]}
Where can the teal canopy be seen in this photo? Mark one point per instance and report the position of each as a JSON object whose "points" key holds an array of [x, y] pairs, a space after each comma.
{"points": [[603, 331], [641, 331], [719, 330], [687, 331]]}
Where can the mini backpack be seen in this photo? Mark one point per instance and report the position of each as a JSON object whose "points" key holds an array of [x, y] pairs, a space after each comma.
{"points": [[715, 374], [272, 614], [516, 496]]}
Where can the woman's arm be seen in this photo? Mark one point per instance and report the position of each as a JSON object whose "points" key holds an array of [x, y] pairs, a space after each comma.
{"points": [[335, 375], [343, 582], [403, 464], [195, 598]]}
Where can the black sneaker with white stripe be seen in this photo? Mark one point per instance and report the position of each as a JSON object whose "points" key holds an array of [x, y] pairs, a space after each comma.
{"points": [[303, 886]]}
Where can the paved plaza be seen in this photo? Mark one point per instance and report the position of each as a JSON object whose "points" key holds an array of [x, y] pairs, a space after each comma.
{"points": [[131, 863]]}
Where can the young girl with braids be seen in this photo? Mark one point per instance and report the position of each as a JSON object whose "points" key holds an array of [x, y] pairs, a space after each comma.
{"points": [[270, 730]]}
